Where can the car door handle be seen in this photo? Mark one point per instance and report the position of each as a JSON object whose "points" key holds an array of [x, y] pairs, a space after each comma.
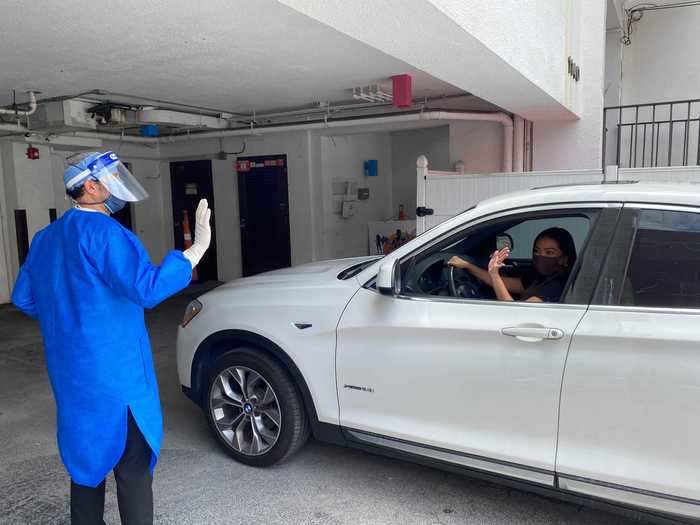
{"points": [[532, 333]]}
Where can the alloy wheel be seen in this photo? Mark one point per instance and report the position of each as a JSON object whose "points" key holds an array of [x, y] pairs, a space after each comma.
{"points": [[245, 410]]}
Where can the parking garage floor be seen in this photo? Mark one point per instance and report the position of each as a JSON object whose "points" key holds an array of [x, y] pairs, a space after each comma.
{"points": [[196, 483]]}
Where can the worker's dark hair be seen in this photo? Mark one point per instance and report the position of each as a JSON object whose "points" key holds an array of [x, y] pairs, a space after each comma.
{"points": [[563, 239], [76, 192]]}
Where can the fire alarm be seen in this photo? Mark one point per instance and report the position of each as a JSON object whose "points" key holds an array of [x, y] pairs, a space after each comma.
{"points": [[32, 153]]}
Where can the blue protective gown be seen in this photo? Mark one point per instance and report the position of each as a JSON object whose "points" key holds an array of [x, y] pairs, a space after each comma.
{"points": [[87, 280]]}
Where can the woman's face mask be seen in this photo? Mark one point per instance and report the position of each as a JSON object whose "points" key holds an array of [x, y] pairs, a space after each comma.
{"points": [[547, 257], [546, 265]]}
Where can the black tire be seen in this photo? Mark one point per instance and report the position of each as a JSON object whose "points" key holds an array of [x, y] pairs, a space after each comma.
{"points": [[293, 430]]}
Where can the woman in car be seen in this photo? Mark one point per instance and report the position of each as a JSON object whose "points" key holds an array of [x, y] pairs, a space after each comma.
{"points": [[553, 256]]}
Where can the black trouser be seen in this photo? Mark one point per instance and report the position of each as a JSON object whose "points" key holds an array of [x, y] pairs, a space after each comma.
{"points": [[134, 487]]}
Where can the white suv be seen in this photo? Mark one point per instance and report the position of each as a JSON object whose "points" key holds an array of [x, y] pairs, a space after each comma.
{"points": [[593, 397]]}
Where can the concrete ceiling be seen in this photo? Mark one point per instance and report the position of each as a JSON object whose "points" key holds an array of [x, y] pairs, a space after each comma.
{"points": [[233, 55]]}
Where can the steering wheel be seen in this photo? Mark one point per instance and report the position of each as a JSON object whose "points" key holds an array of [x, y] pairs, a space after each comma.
{"points": [[463, 284]]}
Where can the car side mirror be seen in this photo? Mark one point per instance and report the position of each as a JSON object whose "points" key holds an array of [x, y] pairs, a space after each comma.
{"points": [[389, 278]]}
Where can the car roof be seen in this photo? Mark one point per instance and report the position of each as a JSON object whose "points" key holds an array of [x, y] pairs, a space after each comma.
{"points": [[680, 193]]}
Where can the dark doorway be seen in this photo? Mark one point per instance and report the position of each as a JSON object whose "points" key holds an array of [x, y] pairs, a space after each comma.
{"points": [[191, 181], [123, 216], [264, 205]]}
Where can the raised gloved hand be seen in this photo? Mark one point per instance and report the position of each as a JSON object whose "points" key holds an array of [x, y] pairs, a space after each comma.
{"points": [[202, 234]]}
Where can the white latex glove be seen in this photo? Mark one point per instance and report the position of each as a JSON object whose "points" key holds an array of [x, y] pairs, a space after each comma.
{"points": [[202, 234]]}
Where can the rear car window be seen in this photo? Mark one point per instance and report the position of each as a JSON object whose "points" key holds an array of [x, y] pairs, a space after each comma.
{"points": [[664, 262]]}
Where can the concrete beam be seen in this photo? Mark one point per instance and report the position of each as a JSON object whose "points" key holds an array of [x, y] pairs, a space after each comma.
{"points": [[435, 36]]}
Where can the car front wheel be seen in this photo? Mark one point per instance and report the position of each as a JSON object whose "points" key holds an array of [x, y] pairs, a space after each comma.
{"points": [[254, 408]]}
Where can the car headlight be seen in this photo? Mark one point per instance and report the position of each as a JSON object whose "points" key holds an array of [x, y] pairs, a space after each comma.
{"points": [[191, 312]]}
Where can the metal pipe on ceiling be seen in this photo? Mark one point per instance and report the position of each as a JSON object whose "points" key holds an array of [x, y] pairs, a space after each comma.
{"points": [[417, 116], [347, 106], [13, 128], [505, 120], [240, 117], [23, 113], [150, 102]]}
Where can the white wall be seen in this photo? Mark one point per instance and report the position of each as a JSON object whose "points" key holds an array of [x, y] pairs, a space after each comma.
{"points": [[147, 215], [578, 145], [27, 185], [531, 36], [406, 147], [315, 162], [478, 144], [613, 63], [33, 185], [4, 248], [658, 66], [342, 160], [297, 148]]}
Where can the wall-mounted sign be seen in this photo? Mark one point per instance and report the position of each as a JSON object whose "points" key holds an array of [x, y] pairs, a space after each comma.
{"points": [[574, 70], [247, 165]]}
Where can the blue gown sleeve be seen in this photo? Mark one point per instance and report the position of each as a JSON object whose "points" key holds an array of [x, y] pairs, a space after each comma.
{"points": [[22, 295], [124, 265]]}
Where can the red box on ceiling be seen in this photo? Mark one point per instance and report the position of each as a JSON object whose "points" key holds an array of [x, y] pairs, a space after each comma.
{"points": [[401, 91]]}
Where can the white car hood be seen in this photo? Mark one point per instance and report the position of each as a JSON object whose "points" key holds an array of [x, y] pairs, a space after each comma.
{"points": [[312, 273]]}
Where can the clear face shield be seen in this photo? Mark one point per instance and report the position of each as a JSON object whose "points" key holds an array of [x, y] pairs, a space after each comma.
{"points": [[116, 178]]}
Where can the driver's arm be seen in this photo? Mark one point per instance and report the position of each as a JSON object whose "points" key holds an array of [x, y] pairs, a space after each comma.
{"points": [[513, 284]]}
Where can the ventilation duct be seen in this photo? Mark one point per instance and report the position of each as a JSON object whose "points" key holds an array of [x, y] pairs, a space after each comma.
{"points": [[166, 117], [63, 116]]}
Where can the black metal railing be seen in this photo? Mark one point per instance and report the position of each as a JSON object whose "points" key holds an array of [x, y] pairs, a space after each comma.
{"points": [[652, 135]]}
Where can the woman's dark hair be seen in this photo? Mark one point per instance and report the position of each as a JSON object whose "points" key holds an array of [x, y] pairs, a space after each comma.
{"points": [[565, 241], [76, 192]]}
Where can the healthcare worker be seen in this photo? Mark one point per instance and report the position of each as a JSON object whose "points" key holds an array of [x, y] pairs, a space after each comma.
{"points": [[87, 280]]}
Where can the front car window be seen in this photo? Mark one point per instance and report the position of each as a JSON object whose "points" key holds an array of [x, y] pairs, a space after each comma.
{"points": [[524, 233], [656, 261], [428, 273]]}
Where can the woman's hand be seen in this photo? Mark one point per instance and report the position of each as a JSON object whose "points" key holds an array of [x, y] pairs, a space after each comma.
{"points": [[497, 260], [458, 262]]}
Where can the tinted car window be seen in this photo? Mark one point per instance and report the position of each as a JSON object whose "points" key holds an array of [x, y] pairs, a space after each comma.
{"points": [[664, 263]]}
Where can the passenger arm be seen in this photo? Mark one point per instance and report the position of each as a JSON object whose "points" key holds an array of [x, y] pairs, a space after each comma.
{"points": [[512, 284]]}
